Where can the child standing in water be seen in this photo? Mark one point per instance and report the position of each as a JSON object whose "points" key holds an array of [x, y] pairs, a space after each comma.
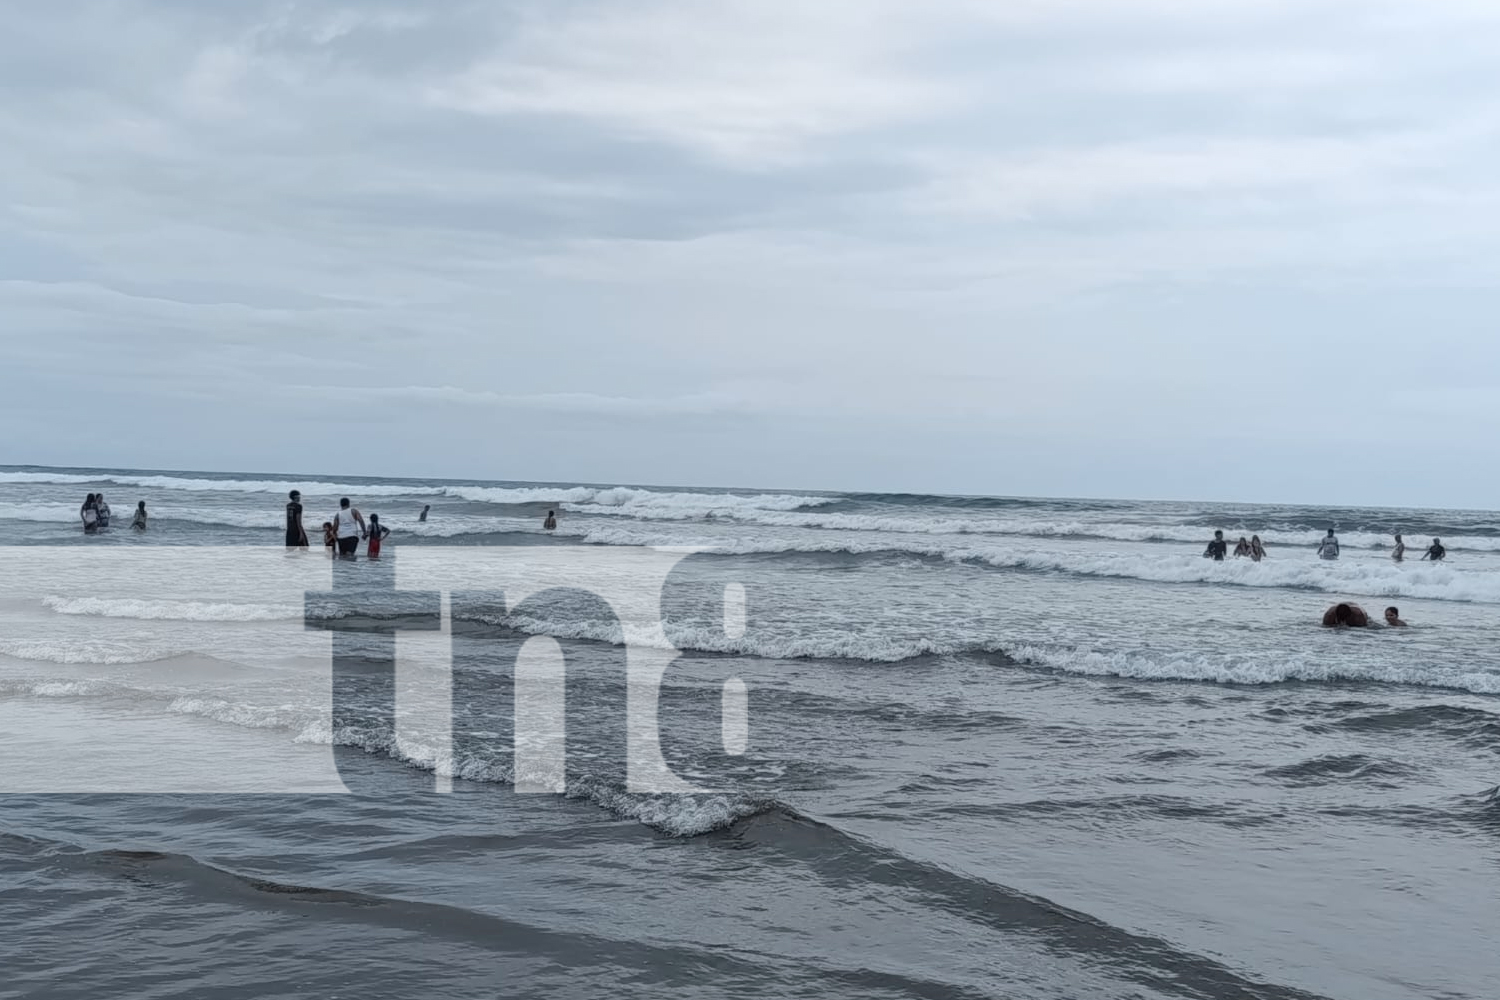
{"points": [[378, 532], [139, 524], [330, 539]]}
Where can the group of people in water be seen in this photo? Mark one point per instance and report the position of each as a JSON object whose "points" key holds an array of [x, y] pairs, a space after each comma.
{"points": [[95, 514], [1353, 616], [341, 534], [1328, 548], [1343, 615]]}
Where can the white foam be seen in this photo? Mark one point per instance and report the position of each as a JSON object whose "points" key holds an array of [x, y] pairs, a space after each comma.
{"points": [[1242, 669], [192, 485], [83, 651], [166, 610]]}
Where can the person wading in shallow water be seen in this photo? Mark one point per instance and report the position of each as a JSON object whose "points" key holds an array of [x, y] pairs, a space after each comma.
{"points": [[551, 522], [348, 528], [1393, 617], [1328, 548], [1216, 548], [296, 535]]}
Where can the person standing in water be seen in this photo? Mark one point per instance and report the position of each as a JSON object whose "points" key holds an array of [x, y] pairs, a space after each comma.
{"points": [[1216, 548], [348, 528], [1257, 550], [1435, 551], [1243, 548], [425, 509], [1328, 548], [551, 522], [296, 535], [102, 509], [378, 532], [1399, 552], [89, 513], [139, 522], [330, 539]]}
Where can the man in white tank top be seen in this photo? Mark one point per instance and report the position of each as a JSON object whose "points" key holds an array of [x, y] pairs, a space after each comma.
{"points": [[349, 528]]}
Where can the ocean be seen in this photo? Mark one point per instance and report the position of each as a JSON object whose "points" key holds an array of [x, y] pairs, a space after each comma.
{"points": [[994, 747]]}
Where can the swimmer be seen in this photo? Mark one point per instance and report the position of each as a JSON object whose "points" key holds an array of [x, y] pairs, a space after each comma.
{"points": [[425, 509], [1345, 616], [139, 524], [1435, 551], [551, 521], [1257, 550], [1243, 548], [1393, 617], [1216, 548], [1328, 548], [1399, 552]]}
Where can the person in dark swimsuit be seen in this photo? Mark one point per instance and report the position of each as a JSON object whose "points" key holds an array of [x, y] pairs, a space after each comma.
{"points": [[1216, 548], [1435, 551], [296, 535]]}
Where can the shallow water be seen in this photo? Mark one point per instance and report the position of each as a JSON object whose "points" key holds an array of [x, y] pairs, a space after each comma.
{"points": [[996, 748]]}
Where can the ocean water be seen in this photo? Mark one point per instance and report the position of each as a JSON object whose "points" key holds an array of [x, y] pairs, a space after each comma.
{"points": [[996, 748]]}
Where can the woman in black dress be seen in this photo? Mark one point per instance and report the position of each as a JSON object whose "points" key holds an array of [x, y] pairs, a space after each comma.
{"points": [[296, 535]]}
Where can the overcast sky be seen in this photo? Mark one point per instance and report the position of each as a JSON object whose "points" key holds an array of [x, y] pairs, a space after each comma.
{"points": [[1233, 249]]}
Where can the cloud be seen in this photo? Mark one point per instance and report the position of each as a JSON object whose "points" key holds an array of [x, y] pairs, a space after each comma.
{"points": [[742, 219]]}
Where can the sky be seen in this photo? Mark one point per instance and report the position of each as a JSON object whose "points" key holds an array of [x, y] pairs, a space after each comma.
{"points": [[1230, 249]]}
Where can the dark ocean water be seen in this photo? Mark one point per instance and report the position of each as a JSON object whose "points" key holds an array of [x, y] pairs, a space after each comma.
{"points": [[996, 747]]}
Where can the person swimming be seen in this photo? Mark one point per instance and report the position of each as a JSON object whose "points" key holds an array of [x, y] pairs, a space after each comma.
{"points": [[1345, 616], [1435, 551], [1257, 550], [1393, 617], [1328, 548], [1399, 552], [1216, 548]]}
